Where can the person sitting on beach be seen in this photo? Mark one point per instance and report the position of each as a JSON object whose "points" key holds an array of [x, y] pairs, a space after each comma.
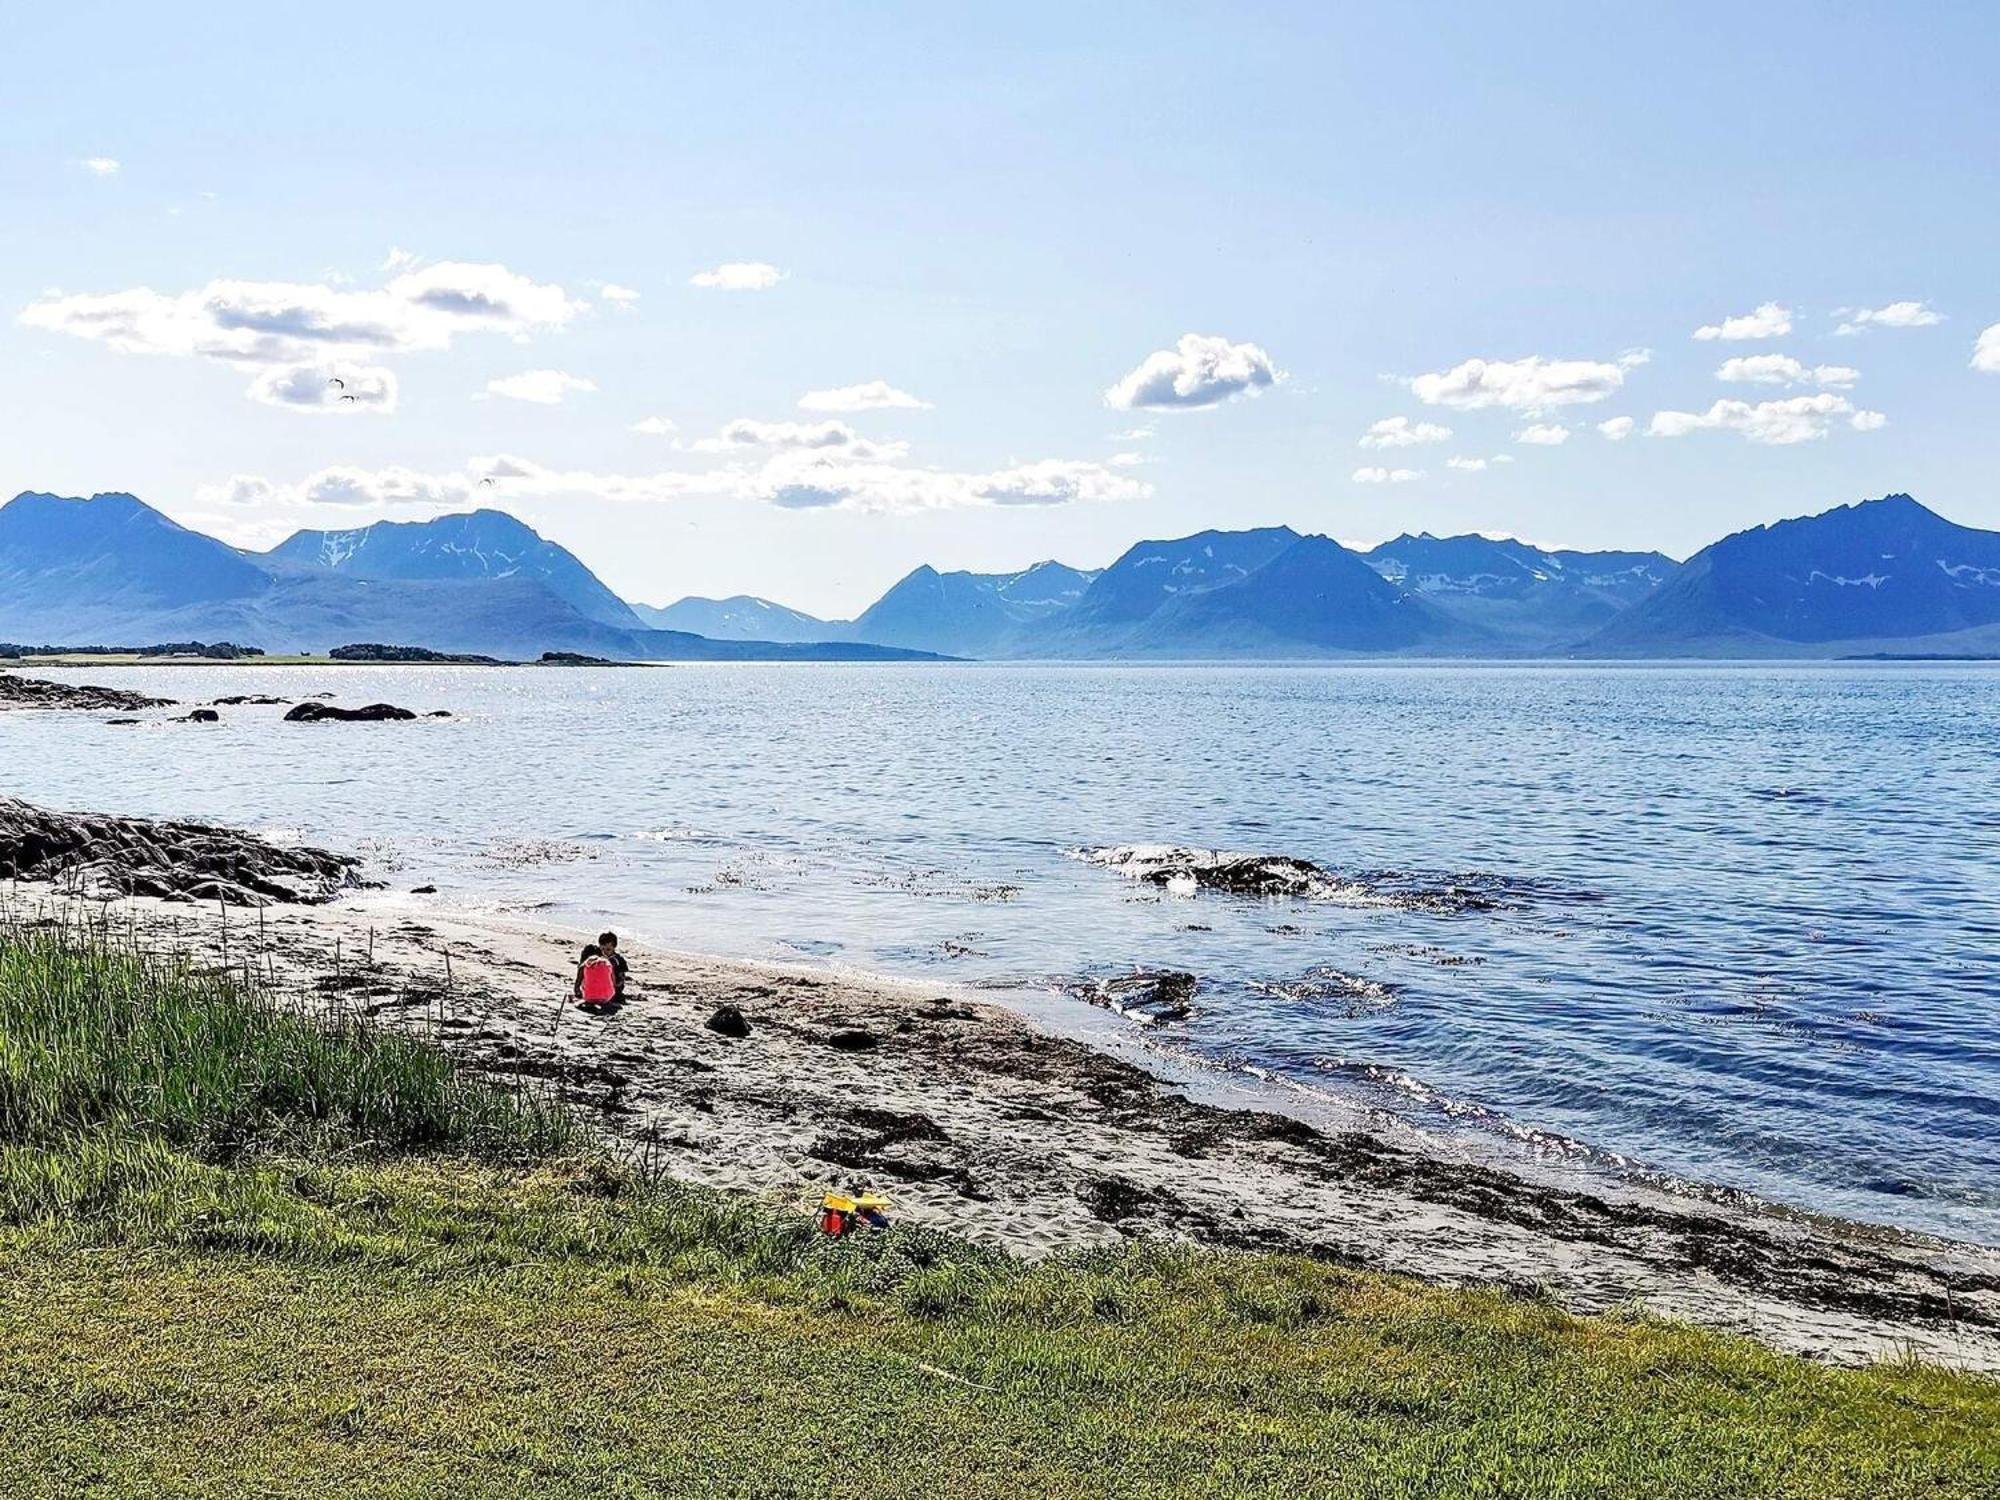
{"points": [[607, 944], [608, 987]]}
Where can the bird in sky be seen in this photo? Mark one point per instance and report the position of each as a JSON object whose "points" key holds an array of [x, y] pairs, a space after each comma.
{"points": [[336, 380]]}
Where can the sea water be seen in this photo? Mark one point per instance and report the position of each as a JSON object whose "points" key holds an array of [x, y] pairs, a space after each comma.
{"points": [[1739, 925]]}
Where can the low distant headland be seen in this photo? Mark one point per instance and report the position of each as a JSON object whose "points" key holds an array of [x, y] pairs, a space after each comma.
{"points": [[367, 653]]}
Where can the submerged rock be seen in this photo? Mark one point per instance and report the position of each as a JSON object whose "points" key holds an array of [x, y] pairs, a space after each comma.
{"points": [[1185, 872], [241, 700], [1149, 996], [1188, 870], [35, 692], [201, 716], [315, 713], [111, 856]]}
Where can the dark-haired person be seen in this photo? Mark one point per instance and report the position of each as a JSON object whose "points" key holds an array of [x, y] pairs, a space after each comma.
{"points": [[590, 988]]}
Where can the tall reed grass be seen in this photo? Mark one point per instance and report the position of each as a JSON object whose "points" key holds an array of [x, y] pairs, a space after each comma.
{"points": [[98, 1034]]}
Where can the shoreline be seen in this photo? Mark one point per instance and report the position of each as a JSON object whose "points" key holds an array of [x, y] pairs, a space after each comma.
{"points": [[974, 1118]]}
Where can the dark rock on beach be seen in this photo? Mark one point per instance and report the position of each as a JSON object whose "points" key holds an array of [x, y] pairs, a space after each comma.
{"points": [[201, 716], [245, 700], [317, 713], [34, 692], [728, 1021], [112, 856]]}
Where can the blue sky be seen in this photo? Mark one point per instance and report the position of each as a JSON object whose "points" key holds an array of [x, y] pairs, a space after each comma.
{"points": [[1015, 216]]}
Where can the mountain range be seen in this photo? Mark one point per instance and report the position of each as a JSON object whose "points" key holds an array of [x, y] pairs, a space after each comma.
{"points": [[113, 570], [1884, 575]]}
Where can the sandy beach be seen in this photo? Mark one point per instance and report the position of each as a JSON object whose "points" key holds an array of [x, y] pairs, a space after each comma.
{"points": [[973, 1119]]}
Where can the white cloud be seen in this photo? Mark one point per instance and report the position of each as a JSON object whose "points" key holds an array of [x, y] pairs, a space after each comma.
{"points": [[1769, 321], [1543, 435], [318, 388], [1469, 465], [739, 276], [543, 387], [1200, 370], [1782, 369], [1617, 429], [656, 426], [1894, 315], [347, 487], [1526, 385], [1986, 353], [1127, 460], [1796, 419], [1868, 421], [746, 432], [1379, 475], [1142, 434], [101, 166], [618, 296], [253, 325], [870, 395], [1401, 432], [822, 481]]}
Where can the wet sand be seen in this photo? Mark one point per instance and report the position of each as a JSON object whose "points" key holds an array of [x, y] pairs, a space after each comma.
{"points": [[973, 1119]]}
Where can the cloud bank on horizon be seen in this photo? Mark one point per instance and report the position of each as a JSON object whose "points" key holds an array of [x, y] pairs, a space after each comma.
{"points": [[303, 343]]}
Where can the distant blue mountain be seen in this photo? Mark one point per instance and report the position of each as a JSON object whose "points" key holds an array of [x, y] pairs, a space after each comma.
{"points": [[111, 570], [1151, 575], [1526, 598], [969, 614], [741, 617], [1854, 578], [477, 544], [65, 563], [1313, 598]]}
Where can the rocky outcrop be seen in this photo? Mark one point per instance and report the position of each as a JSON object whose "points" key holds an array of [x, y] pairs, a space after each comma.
{"points": [[317, 713], [36, 692], [103, 856]]}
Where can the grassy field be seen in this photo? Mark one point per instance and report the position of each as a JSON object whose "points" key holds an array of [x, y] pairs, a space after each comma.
{"points": [[250, 1253]]}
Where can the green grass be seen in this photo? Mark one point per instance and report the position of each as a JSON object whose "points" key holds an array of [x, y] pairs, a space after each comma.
{"points": [[245, 1253]]}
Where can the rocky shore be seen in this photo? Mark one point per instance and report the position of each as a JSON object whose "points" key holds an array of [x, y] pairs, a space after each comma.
{"points": [[17, 691], [100, 857], [786, 1081]]}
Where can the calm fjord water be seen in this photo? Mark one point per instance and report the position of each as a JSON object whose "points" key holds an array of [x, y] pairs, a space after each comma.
{"points": [[1753, 937]]}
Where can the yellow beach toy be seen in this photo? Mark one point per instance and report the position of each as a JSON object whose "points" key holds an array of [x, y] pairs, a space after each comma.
{"points": [[844, 1213]]}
